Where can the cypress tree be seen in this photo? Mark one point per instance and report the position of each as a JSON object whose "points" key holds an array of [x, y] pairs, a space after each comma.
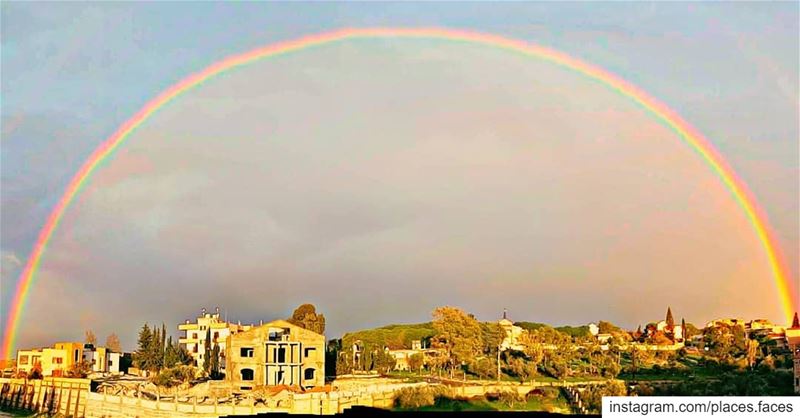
{"points": [[670, 321], [207, 353]]}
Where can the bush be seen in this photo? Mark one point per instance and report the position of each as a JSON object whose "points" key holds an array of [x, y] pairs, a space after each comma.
{"points": [[414, 397], [420, 396], [174, 376], [510, 398], [80, 369]]}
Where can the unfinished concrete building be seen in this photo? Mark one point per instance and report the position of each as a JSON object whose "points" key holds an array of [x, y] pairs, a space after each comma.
{"points": [[276, 353]]}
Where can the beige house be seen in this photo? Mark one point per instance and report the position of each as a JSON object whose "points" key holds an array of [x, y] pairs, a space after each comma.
{"points": [[275, 353], [57, 360], [195, 335]]}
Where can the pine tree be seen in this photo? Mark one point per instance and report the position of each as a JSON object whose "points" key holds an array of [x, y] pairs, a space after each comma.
{"points": [[142, 354], [154, 353], [683, 328]]}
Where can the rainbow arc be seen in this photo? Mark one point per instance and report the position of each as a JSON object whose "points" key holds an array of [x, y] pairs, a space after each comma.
{"points": [[690, 136]]}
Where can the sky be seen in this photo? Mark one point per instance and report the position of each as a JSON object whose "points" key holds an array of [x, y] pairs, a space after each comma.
{"points": [[379, 179]]}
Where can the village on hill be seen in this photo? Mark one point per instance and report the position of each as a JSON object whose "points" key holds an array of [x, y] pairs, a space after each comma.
{"points": [[453, 362]]}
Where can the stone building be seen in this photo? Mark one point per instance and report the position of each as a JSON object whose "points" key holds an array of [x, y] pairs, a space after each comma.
{"points": [[275, 353]]}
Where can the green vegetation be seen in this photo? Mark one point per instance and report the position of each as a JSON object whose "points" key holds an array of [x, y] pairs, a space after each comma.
{"points": [[306, 316], [575, 332], [392, 336], [155, 352], [440, 399]]}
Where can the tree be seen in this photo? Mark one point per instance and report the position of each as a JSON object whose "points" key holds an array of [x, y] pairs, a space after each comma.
{"points": [[306, 316], [457, 332], [605, 327], [415, 361], [36, 371], [492, 335], [142, 358], [90, 337], [155, 351], [752, 352], [213, 367], [207, 353], [533, 347], [113, 344], [670, 320], [79, 369]]}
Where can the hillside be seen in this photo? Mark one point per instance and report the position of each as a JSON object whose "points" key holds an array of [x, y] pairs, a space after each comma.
{"points": [[395, 336]]}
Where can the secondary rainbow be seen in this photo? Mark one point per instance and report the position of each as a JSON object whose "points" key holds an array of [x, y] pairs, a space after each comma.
{"points": [[660, 111]]}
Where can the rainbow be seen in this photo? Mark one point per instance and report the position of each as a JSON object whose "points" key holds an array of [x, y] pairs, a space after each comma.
{"points": [[690, 136]]}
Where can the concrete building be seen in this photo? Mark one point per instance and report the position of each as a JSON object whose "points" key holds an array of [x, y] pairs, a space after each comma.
{"points": [[276, 353], [57, 360], [207, 324]]}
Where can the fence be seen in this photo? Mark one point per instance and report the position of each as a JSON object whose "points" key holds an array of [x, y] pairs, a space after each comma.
{"points": [[51, 395]]}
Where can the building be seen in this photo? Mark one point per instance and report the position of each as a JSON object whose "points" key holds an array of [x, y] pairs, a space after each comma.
{"points": [[101, 359], [50, 360], [513, 334], [793, 341], [275, 353], [207, 325], [402, 356], [57, 360]]}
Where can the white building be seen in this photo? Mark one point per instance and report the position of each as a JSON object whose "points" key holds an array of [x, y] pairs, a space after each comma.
{"points": [[207, 325], [101, 359]]}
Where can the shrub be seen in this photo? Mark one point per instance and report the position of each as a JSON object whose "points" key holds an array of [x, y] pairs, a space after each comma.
{"points": [[414, 397], [174, 376], [510, 398]]}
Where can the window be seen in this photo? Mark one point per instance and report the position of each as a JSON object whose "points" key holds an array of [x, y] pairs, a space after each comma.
{"points": [[281, 355], [110, 363], [247, 374], [246, 352], [216, 335], [194, 349], [308, 374], [58, 360], [310, 351], [23, 360]]}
